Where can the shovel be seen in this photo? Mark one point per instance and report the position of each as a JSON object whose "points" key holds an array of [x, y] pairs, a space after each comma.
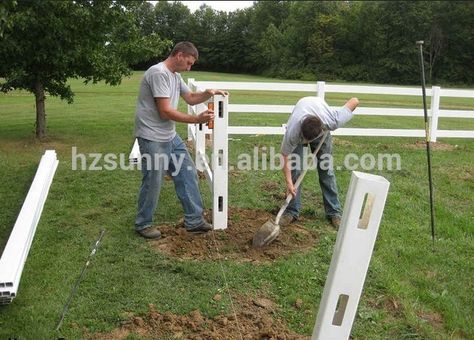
{"points": [[270, 230]]}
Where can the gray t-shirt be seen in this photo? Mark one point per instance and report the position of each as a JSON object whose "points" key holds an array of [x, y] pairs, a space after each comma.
{"points": [[332, 118], [158, 81]]}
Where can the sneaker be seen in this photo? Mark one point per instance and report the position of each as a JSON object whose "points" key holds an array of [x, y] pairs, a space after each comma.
{"points": [[203, 228], [335, 222], [150, 232], [286, 219]]}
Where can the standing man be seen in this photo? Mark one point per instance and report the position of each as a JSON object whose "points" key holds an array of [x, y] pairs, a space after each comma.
{"points": [[163, 151], [310, 118]]}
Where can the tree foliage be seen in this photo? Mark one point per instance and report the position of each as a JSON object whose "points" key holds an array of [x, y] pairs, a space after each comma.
{"points": [[6, 6], [372, 41]]}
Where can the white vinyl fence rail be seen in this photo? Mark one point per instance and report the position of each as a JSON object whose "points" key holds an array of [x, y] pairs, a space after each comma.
{"points": [[321, 88], [18, 246]]}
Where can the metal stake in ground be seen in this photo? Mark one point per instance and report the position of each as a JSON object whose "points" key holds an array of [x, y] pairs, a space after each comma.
{"points": [[78, 281], [427, 134]]}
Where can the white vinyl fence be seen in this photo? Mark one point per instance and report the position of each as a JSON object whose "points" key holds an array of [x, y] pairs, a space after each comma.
{"points": [[216, 171], [321, 88]]}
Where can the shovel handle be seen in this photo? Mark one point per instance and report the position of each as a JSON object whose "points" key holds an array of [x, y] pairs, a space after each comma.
{"points": [[283, 208]]}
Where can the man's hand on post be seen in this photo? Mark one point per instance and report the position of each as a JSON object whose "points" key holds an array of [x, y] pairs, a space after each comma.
{"points": [[205, 116], [213, 92]]}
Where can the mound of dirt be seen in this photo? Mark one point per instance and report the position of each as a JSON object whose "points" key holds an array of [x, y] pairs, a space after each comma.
{"points": [[236, 241], [253, 319]]}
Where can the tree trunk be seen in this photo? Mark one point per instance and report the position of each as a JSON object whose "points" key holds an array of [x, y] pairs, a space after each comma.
{"points": [[40, 112]]}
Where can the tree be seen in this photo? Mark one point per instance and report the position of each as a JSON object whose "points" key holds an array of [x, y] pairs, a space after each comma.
{"points": [[238, 58], [145, 18], [320, 37], [454, 63], [172, 20], [202, 32], [49, 42], [270, 47], [5, 20], [262, 15]]}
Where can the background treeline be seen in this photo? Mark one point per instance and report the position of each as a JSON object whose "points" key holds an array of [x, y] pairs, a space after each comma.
{"points": [[369, 41]]}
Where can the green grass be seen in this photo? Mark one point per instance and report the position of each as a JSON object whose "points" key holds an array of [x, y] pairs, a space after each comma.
{"points": [[407, 278]]}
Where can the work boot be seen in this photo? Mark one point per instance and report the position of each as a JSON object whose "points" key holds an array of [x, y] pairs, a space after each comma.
{"points": [[286, 219], [201, 229], [150, 232], [335, 222]]}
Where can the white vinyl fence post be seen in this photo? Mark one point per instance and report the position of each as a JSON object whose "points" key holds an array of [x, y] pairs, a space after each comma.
{"points": [[220, 159], [135, 156], [352, 252], [200, 145], [191, 127], [435, 99], [320, 86]]}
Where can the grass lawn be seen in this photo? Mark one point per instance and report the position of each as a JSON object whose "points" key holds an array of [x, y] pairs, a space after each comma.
{"points": [[412, 290]]}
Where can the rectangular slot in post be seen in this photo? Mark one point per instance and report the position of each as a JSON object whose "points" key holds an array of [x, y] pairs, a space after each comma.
{"points": [[221, 109], [220, 203], [340, 310], [220, 157], [200, 127], [366, 211]]}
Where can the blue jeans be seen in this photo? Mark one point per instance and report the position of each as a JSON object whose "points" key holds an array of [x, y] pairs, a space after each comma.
{"points": [[327, 181], [171, 157]]}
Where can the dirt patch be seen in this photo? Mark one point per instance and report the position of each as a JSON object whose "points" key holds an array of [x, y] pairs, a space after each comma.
{"points": [[47, 143], [273, 190], [389, 304], [462, 172], [433, 318], [190, 144], [394, 307], [343, 142], [433, 146], [270, 186], [236, 241], [253, 319]]}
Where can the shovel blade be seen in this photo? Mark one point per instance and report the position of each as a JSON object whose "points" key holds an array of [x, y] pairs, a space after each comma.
{"points": [[267, 233]]}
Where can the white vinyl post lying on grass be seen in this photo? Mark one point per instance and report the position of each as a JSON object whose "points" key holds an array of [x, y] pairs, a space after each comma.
{"points": [[220, 156], [360, 222], [16, 251]]}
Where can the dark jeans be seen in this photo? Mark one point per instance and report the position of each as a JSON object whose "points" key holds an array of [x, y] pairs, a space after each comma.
{"points": [[171, 157], [327, 181]]}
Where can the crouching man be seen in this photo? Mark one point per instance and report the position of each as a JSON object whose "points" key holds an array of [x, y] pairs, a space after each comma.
{"points": [[310, 118]]}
